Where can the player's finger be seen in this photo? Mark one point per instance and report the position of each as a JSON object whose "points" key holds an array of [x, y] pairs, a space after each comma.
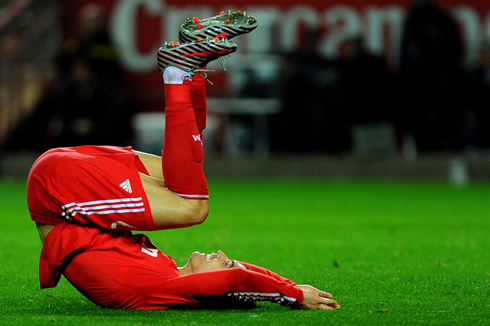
{"points": [[328, 302], [324, 307], [330, 307], [325, 294]]}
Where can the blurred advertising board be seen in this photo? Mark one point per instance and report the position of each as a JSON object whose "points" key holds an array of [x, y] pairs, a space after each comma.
{"points": [[139, 27]]}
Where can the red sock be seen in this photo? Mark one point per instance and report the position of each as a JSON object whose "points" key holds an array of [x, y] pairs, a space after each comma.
{"points": [[183, 155], [198, 99]]}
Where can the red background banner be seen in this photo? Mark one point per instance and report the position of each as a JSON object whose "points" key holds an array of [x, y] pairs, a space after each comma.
{"points": [[140, 27]]}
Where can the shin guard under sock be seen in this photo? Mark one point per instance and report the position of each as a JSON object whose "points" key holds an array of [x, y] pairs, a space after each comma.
{"points": [[198, 99], [183, 155]]}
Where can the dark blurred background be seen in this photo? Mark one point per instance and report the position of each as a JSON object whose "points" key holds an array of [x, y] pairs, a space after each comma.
{"points": [[336, 89]]}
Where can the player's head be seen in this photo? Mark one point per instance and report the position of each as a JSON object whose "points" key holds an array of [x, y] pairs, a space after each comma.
{"points": [[199, 262]]}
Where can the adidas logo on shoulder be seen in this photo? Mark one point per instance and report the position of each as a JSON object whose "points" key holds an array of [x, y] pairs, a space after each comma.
{"points": [[126, 185]]}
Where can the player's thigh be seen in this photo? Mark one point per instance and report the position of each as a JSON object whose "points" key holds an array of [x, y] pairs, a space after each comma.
{"points": [[152, 163], [169, 210]]}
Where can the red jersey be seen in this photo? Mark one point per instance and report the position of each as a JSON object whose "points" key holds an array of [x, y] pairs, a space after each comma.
{"points": [[98, 185], [116, 269]]}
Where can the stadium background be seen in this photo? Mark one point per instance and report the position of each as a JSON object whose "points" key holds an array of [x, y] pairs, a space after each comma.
{"points": [[363, 104]]}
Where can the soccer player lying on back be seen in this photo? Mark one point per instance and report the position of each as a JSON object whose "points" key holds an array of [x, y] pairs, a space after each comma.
{"points": [[115, 269], [85, 200]]}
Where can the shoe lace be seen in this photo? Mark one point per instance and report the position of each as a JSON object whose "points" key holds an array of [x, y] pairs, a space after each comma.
{"points": [[222, 62], [204, 72]]}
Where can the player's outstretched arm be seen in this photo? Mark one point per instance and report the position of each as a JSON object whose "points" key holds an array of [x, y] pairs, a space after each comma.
{"points": [[247, 285], [310, 301], [249, 282]]}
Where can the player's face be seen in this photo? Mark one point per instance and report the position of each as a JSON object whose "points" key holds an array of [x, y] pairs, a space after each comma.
{"points": [[199, 262]]}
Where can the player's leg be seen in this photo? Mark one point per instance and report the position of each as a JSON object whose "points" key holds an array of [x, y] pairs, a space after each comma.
{"points": [[170, 210], [182, 200], [152, 163], [230, 24], [182, 156]]}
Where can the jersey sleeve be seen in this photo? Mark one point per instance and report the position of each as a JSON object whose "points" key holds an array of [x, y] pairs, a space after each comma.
{"points": [[237, 284], [267, 272]]}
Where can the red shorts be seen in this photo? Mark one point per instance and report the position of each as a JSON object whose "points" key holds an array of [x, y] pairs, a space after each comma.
{"points": [[92, 185]]}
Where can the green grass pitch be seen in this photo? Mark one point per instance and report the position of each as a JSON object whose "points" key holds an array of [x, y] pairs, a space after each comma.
{"points": [[391, 253]]}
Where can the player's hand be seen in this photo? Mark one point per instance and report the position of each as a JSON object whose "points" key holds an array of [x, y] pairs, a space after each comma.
{"points": [[313, 301], [310, 288]]}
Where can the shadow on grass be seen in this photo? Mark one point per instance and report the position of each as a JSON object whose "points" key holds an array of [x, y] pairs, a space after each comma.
{"points": [[51, 305]]}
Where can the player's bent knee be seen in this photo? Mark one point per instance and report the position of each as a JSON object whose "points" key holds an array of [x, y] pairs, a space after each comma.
{"points": [[171, 211], [196, 212], [187, 212], [199, 212]]}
